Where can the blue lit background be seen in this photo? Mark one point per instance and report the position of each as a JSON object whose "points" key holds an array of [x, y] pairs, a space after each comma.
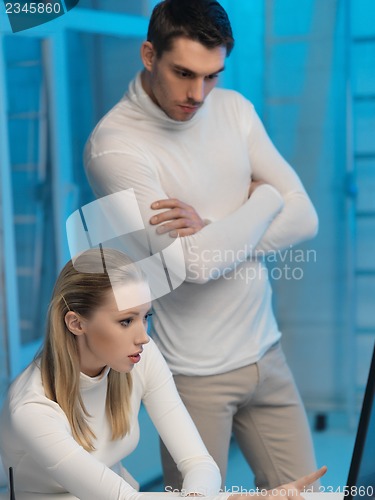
{"points": [[309, 68]]}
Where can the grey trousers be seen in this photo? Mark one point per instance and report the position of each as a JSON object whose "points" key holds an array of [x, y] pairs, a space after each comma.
{"points": [[261, 405]]}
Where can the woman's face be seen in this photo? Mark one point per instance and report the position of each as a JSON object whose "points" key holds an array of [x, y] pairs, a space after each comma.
{"points": [[114, 336]]}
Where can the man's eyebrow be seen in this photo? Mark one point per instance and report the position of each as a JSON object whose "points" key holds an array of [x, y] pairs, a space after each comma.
{"points": [[187, 70]]}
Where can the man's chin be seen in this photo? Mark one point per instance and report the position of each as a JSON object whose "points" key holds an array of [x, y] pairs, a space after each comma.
{"points": [[181, 117], [185, 118]]}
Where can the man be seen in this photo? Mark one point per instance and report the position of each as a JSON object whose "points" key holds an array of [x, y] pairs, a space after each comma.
{"points": [[203, 168]]}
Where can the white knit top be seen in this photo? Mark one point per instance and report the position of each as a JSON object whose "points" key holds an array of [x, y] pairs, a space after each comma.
{"points": [[36, 438], [221, 317]]}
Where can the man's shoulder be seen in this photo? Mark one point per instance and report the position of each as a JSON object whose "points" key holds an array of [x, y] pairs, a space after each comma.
{"points": [[228, 99], [117, 118], [229, 96], [115, 131]]}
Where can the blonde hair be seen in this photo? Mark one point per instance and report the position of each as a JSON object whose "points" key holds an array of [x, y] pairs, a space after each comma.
{"points": [[81, 287]]}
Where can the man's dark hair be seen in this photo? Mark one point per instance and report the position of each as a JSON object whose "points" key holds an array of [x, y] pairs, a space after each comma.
{"points": [[204, 21]]}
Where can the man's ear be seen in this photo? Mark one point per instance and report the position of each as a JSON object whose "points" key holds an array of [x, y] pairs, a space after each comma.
{"points": [[74, 323], [148, 55]]}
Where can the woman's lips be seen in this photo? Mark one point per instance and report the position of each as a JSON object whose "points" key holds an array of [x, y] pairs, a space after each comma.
{"points": [[135, 358]]}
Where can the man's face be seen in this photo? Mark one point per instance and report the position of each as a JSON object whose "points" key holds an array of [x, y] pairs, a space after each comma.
{"points": [[182, 78]]}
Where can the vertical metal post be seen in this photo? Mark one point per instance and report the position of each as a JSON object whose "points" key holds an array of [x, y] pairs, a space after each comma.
{"points": [[268, 18], [351, 347], [56, 60], [7, 239]]}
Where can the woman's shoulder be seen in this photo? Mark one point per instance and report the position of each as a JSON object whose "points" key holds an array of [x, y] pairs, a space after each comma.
{"points": [[150, 357], [152, 368], [27, 389], [25, 383]]}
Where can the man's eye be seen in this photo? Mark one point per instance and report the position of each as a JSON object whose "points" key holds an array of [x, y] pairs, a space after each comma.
{"points": [[183, 74], [212, 77]]}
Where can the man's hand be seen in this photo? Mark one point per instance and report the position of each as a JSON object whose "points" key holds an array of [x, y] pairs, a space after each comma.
{"points": [[253, 186], [290, 491], [181, 219]]}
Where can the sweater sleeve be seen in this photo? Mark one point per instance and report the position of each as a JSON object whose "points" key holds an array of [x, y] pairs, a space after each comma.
{"points": [[115, 170], [200, 473], [298, 220], [44, 434]]}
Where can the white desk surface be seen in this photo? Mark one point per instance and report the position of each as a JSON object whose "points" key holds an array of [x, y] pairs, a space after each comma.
{"points": [[31, 496]]}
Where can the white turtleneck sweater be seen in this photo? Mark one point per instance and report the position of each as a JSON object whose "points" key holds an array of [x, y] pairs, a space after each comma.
{"points": [[36, 438], [221, 317]]}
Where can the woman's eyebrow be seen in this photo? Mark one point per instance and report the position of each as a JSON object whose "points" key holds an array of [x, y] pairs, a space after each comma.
{"points": [[134, 312]]}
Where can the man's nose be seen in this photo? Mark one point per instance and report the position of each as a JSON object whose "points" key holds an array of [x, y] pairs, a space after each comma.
{"points": [[196, 90]]}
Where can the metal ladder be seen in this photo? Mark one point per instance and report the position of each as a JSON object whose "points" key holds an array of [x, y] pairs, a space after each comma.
{"points": [[360, 96], [26, 170]]}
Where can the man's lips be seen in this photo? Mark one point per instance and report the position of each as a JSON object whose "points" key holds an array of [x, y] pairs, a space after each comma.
{"points": [[189, 108]]}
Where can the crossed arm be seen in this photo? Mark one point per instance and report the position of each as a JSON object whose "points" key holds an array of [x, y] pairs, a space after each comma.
{"points": [[181, 219], [240, 229], [277, 214], [296, 222]]}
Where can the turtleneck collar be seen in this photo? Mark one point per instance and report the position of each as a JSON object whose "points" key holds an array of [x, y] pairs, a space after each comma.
{"points": [[87, 382], [137, 95]]}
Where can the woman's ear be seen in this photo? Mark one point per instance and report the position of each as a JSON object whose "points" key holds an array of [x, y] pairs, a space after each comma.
{"points": [[74, 323], [148, 55]]}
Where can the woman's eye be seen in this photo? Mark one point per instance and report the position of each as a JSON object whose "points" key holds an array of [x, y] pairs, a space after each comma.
{"points": [[147, 322], [126, 322], [147, 317]]}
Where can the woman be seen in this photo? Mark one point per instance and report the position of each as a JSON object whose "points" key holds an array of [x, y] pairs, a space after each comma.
{"points": [[71, 416]]}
